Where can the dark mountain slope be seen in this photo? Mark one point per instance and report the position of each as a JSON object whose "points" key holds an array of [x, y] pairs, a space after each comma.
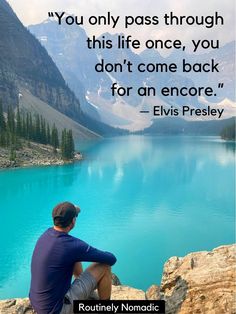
{"points": [[174, 126], [26, 66], [25, 63]]}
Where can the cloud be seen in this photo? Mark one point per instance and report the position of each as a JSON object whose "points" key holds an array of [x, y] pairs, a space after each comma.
{"points": [[34, 11]]}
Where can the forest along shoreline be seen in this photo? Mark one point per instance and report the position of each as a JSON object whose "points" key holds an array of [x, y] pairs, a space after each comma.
{"points": [[28, 140], [34, 154]]}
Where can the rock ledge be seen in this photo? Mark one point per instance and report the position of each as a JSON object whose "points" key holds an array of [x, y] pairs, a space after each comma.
{"points": [[201, 282]]}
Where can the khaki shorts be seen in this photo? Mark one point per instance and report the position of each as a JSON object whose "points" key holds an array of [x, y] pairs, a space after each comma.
{"points": [[81, 289]]}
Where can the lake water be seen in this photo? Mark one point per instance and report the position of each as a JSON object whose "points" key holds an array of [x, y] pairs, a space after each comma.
{"points": [[143, 198]]}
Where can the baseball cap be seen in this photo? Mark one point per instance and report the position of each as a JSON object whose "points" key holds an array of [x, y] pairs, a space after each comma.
{"points": [[65, 212]]}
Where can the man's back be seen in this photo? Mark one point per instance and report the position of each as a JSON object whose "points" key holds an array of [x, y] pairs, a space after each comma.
{"points": [[52, 265]]}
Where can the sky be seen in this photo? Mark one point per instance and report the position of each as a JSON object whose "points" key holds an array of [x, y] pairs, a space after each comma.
{"points": [[35, 11]]}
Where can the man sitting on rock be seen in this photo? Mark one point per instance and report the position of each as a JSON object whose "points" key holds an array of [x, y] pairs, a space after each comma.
{"points": [[57, 256]]}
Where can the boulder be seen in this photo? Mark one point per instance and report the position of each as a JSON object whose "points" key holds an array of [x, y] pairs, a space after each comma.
{"points": [[202, 282], [16, 306], [115, 280], [127, 293], [153, 293]]}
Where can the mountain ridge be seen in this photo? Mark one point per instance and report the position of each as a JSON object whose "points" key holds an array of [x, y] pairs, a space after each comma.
{"points": [[24, 61], [26, 65], [123, 112]]}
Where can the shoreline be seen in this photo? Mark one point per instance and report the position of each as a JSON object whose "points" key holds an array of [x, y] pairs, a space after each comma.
{"points": [[34, 154], [199, 282]]}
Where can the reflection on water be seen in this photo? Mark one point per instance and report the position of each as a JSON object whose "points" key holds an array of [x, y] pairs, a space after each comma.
{"points": [[230, 146], [143, 198]]}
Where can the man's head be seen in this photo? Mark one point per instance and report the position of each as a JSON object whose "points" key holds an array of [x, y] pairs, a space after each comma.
{"points": [[64, 215]]}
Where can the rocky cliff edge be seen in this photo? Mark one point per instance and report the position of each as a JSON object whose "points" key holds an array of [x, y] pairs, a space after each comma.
{"points": [[201, 282]]}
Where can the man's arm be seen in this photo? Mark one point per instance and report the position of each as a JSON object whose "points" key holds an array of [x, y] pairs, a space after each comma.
{"points": [[95, 255], [87, 253]]}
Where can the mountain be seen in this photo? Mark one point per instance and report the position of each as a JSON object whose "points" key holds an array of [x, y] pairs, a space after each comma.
{"points": [[67, 47], [225, 56], [162, 79], [24, 63], [174, 126], [27, 72]]}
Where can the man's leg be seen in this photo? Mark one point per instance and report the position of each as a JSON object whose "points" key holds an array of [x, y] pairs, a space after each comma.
{"points": [[102, 274], [78, 269]]}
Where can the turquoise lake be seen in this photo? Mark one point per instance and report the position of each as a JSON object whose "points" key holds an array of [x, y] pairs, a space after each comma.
{"points": [[143, 198]]}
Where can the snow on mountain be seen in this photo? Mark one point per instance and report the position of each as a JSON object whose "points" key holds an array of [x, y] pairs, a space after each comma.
{"points": [[67, 47]]}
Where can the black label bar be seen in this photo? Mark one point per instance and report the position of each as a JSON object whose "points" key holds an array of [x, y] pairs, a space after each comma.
{"points": [[118, 306]]}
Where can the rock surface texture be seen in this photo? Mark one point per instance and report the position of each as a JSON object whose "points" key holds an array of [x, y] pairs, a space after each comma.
{"points": [[33, 154], [201, 282]]}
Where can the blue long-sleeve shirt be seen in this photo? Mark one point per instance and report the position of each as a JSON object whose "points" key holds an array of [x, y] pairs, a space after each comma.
{"points": [[52, 266]]}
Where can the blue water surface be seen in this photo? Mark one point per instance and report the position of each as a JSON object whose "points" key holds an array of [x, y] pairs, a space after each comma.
{"points": [[143, 198]]}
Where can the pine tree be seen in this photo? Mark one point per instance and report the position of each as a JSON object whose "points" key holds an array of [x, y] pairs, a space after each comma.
{"points": [[70, 145], [67, 145], [2, 127], [54, 138], [27, 126], [2, 119], [63, 144], [11, 119], [18, 123], [43, 137], [228, 133], [18, 126], [12, 156], [3, 140], [31, 128], [48, 134], [24, 132], [37, 135]]}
